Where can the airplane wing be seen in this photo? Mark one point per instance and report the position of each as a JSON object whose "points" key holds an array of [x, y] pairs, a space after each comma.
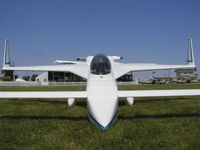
{"points": [[158, 93], [71, 94], [120, 69], [78, 69], [66, 62]]}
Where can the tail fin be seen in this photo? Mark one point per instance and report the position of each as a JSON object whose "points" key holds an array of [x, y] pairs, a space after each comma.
{"points": [[190, 54], [6, 57]]}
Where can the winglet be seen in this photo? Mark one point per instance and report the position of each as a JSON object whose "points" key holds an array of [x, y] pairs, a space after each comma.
{"points": [[190, 54], [6, 57]]}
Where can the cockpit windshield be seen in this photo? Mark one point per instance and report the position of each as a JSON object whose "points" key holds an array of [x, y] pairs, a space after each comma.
{"points": [[100, 65]]}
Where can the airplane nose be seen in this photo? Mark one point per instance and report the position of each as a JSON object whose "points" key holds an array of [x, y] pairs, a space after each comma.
{"points": [[103, 111]]}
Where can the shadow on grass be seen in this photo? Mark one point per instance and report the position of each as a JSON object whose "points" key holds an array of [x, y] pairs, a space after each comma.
{"points": [[82, 103], [78, 103], [161, 116], [45, 117], [162, 99], [148, 100]]}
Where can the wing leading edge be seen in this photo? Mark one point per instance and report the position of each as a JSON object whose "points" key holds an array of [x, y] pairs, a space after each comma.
{"points": [[120, 69], [72, 94], [158, 93], [78, 68]]}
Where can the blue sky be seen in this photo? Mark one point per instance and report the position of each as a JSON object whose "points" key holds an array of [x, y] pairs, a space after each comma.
{"points": [[40, 31]]}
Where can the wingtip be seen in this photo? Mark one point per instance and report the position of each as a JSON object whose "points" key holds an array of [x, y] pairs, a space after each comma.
{"points": [[190, 55], [6, 59]]}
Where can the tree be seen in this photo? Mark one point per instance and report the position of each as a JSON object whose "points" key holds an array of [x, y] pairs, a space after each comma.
{"points": [[8, 74], [33, 77], [26, 78]]}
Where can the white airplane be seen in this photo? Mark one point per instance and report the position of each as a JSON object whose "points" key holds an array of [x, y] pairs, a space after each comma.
{"points": [[102, 94]]}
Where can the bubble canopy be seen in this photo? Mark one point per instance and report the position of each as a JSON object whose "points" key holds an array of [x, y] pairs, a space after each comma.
{"points": [[100, 65]]}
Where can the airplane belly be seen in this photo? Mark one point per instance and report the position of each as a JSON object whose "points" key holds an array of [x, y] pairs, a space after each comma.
{"points": [[102, 110], [102, 102]]}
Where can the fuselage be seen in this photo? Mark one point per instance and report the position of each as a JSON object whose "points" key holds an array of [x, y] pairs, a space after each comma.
{"points": [[102, 99]]}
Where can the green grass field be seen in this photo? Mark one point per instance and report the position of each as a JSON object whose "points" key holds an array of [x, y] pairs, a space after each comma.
{"points": [[167, 123]]}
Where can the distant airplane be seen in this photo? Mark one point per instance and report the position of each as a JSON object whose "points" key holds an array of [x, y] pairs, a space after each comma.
{"points": [[101, 72]]}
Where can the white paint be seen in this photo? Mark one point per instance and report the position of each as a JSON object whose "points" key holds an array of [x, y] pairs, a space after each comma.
{"points": [[102, 98]]}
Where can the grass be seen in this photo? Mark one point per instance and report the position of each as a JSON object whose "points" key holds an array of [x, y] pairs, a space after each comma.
{"points": [[169, 123]]}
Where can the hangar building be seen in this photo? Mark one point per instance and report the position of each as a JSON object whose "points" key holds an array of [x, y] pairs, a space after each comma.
{"points": [[70, 77]]}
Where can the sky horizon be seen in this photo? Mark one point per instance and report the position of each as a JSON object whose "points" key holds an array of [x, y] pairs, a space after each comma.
{"points": [[142, 31]]}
